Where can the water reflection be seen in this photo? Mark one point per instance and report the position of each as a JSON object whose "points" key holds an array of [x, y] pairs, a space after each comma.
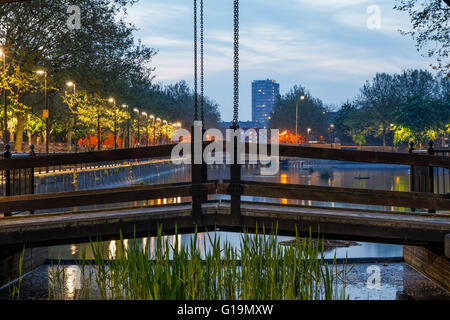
{"points": [[321, 173]]}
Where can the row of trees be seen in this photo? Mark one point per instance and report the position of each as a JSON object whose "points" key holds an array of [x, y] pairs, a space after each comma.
{"points": [[312, 114], [101, 57], [411, 106]]}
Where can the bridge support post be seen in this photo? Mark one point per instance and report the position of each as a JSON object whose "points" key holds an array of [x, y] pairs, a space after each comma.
{"points": [[10, 258], [235, 189], [7, 155], [429, 261], [198, 169]]}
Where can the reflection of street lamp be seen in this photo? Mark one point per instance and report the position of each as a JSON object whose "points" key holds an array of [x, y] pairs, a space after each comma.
{"points": [[5, 103], [46, 113], [72, 84], [128, 126], [301, 98], [112, 100]]}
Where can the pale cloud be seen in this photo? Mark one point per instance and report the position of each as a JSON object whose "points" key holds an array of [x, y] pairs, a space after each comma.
{"points": [[332, 4], [323, 44], [152, 13]]}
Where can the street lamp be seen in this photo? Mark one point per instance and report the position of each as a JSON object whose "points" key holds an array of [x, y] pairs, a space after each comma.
{"points": [[112, 100], [72, 84], [301, 98], [154, 128], [5, 102], [139, 132], [146, 128], [46, 113], [309, 133], [332, 135], [128, 126], [159, 136], [165, 122]]}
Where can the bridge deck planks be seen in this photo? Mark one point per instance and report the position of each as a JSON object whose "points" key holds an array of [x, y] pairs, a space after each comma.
{"points": [[339, 223]]}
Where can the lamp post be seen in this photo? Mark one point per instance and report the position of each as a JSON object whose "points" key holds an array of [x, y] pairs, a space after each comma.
{"points": [[46, 113], [146, 128], [309, 134], [153, 122], [99, 132], [174, 129], [138, 123], [5, 103], [165, 123], [128, 126], [159, 136], [112, 100], [301, 98], [72, 84], [332, 135]]}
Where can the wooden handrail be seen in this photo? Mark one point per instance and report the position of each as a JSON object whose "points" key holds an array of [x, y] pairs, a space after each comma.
{"points": [[98, 196], [285, 151], [342, 195], [87, 157], [365, 156], [250, 188]]}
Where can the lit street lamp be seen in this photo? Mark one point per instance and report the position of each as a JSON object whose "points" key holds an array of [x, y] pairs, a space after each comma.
{"points": [[128, 125], [165, 122], [46, 112], [309, 134], [301, 98], [332, 135], [138, 123], [153, 121], [146, 127], [112, 100], [74, 137], [159, 136]]}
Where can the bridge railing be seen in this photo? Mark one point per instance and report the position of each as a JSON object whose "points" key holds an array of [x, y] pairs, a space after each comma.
{"points": [[17, 181], [236, 187]]}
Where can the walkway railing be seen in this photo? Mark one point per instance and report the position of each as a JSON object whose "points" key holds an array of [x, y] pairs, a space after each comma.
{"points": [[199, 190]]}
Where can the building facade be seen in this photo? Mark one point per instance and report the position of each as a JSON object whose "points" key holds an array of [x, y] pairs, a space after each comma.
{"points": [[265, 96]]}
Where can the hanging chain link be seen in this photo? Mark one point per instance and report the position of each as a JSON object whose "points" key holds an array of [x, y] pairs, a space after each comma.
{"points": [[236, 63], [202, 78], [195, 64]]}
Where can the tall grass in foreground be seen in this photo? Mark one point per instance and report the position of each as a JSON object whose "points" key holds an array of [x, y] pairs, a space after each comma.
{"points": [[259, 269]]}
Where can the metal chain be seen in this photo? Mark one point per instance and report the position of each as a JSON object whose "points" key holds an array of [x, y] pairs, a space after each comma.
{"points": [[236, 63], [195, 64], [202, 82]]}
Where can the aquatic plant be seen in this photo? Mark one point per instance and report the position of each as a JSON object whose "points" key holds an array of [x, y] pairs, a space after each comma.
{"points": [[260, 269]]}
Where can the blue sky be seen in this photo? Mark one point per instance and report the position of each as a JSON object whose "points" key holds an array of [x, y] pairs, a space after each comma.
{"points": [[324, 45]]}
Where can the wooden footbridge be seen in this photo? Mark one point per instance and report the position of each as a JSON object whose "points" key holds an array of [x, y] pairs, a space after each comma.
{"points": [[204, 209]]}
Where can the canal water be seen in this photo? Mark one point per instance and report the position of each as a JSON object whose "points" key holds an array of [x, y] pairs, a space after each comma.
{"points": [[322, 173], [399, 281]]}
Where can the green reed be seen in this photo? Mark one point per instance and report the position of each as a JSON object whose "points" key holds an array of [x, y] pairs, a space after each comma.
{"points": [[260, 269]]}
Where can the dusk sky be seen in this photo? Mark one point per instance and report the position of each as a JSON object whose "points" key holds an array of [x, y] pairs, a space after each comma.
{"points": [[324, 45]]}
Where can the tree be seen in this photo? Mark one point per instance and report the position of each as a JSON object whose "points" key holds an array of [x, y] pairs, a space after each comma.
{"points": [[430, 27], [380, 98], [353, 122], [424, 110], [310, 113]]}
